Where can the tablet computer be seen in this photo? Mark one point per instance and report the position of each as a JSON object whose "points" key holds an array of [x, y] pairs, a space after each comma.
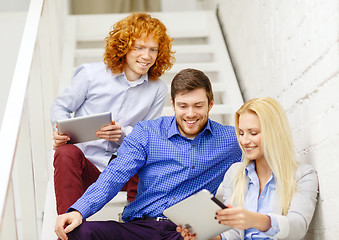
{"points": [[197, 213], [83, 129]]}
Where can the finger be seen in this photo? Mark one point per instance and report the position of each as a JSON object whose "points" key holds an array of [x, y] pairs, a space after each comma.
{"points": [[71, 227], [115, 127], [227, 211], [56, 145], [60, 141], [190, 236], [108, 136], [59, 230], [185, 233], [57, 137]]}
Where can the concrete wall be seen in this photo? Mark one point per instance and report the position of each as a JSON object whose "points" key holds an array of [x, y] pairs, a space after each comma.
{"points": [[289, 50]]}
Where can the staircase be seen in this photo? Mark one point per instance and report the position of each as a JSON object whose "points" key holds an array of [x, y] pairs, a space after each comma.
{"points": [[26, 133], [198, 43]]}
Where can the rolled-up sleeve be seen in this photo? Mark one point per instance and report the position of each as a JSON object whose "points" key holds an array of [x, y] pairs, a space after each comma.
{"points": [[295, 224]]}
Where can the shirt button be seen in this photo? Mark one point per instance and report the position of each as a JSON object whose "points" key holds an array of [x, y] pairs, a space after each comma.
{"points": [[173, 198], [193, 145], [192, 167]]}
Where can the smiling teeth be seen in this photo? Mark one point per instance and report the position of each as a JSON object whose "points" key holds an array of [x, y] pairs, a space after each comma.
{"points": [[190, 121], [143, 64]]}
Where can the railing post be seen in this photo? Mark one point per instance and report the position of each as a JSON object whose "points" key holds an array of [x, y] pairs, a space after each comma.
{"points": [[8, 228], [25, 195]]}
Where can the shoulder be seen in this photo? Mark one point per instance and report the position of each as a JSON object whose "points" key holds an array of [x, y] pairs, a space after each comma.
{"points": [[305, 170], [159, 84], [226, 134], [234, 167], [92, 69], [220, 129], [161, 123]]}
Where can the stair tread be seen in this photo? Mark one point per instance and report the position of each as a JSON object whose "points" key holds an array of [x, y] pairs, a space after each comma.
{"points": [[203, 66]]}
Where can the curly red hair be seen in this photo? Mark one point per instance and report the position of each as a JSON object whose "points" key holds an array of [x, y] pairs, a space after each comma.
{"points": [[120, 41]]}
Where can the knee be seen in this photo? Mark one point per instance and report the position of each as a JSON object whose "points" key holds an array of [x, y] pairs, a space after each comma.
{"points": [[85, 231], [66, 155]]}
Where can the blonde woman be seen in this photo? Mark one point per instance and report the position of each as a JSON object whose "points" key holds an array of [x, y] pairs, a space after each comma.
{"points": [[268, 194]]}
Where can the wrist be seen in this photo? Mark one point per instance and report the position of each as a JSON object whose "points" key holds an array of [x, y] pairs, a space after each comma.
{"points": [[262, 222]]}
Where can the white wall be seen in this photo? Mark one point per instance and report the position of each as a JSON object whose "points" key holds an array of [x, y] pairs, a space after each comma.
{"points": [[290, 50], [14, 5]]}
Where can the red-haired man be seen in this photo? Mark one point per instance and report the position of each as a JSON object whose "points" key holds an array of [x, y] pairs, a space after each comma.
{"points": [[127, 84]]}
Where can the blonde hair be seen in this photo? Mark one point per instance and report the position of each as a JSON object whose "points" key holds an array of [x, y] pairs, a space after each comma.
{"points": [[277, 145]]}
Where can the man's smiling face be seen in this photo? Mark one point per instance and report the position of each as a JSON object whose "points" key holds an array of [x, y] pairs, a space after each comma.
{"points": [[191, 111], [141, 58]]}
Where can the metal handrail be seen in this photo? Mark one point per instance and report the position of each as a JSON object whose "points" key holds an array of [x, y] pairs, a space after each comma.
{"points": [[15, 104]]}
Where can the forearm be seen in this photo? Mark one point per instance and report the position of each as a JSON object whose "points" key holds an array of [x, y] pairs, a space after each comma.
{"points": [[260, 221]]}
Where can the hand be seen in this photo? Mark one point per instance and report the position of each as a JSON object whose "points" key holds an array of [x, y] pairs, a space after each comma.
{"points": [[185, 233], [240, 218], [59, 140], [110, 132], [66, 223]]}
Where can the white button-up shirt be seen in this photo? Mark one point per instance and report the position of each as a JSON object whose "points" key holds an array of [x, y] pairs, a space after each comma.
{"points": [[95, 89]]}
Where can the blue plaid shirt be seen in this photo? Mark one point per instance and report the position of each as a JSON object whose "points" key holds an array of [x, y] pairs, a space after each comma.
{"points": [[170, 167]]}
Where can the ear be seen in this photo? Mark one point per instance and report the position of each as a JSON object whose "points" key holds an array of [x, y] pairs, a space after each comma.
{"points": [[211, 105], [172, 103]]}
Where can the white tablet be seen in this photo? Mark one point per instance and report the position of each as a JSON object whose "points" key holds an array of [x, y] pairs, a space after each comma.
{"points": [[197, 213], [83, 129]]}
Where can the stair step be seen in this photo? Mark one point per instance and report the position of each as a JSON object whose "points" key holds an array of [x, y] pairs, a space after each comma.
{"points": [[217, 109], [199, 48], [205, 67], [88, 52]]}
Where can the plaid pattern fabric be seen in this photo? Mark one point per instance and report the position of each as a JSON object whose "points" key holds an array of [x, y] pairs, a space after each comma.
{"points": [[170, 167]]}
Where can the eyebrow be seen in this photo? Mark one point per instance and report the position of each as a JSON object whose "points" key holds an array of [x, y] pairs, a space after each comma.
{"points": [[143, 45], [250, 129], [193, 103]]}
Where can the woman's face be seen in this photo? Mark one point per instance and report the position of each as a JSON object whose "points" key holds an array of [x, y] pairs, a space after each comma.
{"points": [[250, 135]]}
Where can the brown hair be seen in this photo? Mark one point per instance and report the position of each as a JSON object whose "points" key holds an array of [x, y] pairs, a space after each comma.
{"points": [[120, 41], [190, 79]]}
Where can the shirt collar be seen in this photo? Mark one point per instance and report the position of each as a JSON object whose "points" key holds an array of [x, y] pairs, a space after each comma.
{"points": [[252, 174], [142, 79], [173, 130]]}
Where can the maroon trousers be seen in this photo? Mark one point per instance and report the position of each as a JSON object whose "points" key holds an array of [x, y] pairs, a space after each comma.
{"points": [[74, 173]]}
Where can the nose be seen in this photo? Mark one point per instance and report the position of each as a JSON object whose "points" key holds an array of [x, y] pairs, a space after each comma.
{"points": [[190, 112], [146, 53], [244, 139]]}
